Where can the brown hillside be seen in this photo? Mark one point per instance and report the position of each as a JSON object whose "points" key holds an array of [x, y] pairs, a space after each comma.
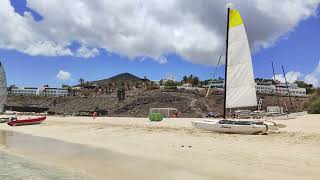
{"points": [[138, 103]]}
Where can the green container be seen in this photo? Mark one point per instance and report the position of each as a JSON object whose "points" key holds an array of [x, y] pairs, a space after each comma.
{"points": [[155, 117]]}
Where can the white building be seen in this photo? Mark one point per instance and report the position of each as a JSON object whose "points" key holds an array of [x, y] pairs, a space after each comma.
{"points": [[33, 91], [56, 92], [268, 87], [188, 86], [24, 91], [281, 89], [216, 83]]}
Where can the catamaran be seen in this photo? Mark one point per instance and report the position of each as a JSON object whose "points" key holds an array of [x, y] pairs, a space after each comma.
{"points": [[239, 82]]}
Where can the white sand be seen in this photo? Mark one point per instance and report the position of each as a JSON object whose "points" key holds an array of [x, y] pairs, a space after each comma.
{"points": [[292, 153]]}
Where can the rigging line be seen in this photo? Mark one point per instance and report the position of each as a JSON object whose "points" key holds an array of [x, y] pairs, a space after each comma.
{"points": [[285, 78], [216, 70]]}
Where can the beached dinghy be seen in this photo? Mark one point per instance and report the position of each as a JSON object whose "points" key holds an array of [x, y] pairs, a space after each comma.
{"points": [[240, 88], [28, 121], [5, 119], [232, 126]]}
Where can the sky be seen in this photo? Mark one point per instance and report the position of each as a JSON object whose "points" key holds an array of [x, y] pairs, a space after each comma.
{"points": [[58, 42]]}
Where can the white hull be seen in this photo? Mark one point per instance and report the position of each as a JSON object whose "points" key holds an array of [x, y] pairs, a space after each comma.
{"points": [[210, 125], [284, 117], [301, 113]]}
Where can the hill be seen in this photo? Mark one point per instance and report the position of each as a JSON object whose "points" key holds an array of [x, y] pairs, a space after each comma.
{"points": [[138, 103], [123, 77]]}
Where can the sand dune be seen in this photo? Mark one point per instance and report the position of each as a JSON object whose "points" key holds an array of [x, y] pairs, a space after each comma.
{"points": [[291, 153]]}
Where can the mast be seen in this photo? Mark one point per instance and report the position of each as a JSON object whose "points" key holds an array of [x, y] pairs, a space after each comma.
{"points": [[274, 78], [284, 74], [226, 67]]}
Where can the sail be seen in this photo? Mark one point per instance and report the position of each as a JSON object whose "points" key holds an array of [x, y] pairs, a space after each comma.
{"points": [[3, 89], [240, 86]]}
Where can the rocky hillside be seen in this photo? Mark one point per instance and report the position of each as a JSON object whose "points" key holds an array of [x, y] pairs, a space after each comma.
{"points": [[124, 77], [138, 103]]}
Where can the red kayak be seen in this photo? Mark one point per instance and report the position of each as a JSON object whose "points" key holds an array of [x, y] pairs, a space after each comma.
{"points": [[29, 121]]}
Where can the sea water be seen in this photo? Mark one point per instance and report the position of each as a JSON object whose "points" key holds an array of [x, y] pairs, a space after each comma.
{"points": [[15, 167], [24, 157]]}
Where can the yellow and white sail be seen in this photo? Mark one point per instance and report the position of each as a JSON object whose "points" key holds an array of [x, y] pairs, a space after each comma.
{"points": [[241, 91]]}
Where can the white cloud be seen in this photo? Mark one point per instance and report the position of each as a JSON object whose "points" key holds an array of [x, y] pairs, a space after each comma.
{"points": [[135, 28], [291, 76], [163, 60], [47, 48], [63, 75], [86, 52], [310, 78], [314, 77]]}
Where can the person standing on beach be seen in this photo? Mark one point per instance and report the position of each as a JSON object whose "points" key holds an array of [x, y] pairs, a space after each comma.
{"points": [[94, 114]]}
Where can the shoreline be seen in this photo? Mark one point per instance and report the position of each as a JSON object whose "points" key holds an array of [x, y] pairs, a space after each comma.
{"points": [[89, 162], [289, 154]]}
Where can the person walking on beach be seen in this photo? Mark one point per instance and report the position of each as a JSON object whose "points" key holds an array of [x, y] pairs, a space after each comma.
{"points": [[94, 114]]}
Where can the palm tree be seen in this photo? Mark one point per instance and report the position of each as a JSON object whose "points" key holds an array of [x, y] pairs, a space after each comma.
{"points": [[195, 81], [10, 88], [190, 79], [81, 81], [161, 82], [185, 79]]}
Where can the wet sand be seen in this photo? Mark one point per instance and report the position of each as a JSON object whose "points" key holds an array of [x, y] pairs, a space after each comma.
{"points": [[95, 163], [179, 151]]}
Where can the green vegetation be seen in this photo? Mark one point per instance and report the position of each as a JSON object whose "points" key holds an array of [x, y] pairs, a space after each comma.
{"points": [[171, 83], [313, 105], [155, 117], [194, 80], [309, 87]]}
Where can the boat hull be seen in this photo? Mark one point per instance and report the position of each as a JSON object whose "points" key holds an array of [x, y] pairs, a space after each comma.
{"points": [[214, 126], [284, 117], [22, 122]]}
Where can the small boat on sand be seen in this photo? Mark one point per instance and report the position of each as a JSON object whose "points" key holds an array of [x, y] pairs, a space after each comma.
{"points": [[5, 119], [28, 121], [232, 126], [239, 82]]}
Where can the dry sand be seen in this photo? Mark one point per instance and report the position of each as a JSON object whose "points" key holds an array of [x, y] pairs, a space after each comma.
{"points": [[291, 153]]}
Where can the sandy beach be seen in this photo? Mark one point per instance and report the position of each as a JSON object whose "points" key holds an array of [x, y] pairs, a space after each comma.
{"points": [[290, 153]]}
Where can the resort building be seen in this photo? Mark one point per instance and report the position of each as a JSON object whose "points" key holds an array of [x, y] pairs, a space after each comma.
{"points": [[188, 86], [268, 87], [281, 88], [34, 91], [25, 91], [55, 92], [218, 83]]}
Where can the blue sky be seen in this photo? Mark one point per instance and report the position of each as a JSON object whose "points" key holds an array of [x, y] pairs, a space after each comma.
{"points": [[298, 51]]}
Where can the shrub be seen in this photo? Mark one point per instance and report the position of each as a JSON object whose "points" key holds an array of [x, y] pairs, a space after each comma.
{"points": [[155, 117], [313, 105]]}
